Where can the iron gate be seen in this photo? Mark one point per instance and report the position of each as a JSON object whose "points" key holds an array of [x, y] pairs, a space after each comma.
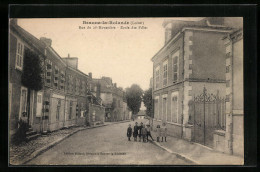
{"points": [[209, 115]]}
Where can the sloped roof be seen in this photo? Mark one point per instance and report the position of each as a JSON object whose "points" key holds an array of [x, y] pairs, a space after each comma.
{"points": [[28, 37]]}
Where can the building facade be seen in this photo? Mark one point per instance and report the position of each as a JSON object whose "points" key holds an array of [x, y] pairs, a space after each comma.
{"points": [[232, 140], [65, 99], [112, 98], [19, 42], [193, 57]]}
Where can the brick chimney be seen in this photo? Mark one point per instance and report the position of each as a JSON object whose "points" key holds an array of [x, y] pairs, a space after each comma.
{"points": [[47, 41], [90, 75]]}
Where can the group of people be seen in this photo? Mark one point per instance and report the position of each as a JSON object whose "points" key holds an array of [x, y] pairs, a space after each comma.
{"points": [[144, 131]]}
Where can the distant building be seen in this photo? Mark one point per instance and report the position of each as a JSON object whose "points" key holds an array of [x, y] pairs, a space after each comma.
{"points": [[141, 114], [112, 98]]}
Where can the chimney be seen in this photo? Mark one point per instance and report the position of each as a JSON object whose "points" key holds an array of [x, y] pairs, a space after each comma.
{"points": [[98, 90], [47, 41], [114, 84], [90, 75], [69, 55]]}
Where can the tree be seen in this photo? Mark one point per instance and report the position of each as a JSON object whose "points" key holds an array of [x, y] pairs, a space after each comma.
{"points": [[148, 102], [134, 98], [32, 71], [32, 74]]}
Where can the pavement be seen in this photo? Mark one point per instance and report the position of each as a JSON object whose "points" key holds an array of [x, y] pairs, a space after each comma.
{"points": [[196, 153], [26, 151], [107, 145]]}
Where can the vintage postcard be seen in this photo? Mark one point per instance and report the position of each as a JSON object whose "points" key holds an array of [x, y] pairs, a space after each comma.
{"points": [[126, 91]]}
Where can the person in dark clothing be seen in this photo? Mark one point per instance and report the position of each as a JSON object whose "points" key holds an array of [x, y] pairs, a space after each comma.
{"points": [[135, 133], [149, 132], [139, 131], [129, 132], [144, 134]]}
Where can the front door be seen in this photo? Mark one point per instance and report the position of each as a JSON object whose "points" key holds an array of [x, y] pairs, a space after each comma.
{"points": [[164, 113], [39, 104], [23, 102]]}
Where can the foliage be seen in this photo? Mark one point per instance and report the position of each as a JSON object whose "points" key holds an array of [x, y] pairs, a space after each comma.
{"points": [[32, 71], [148, 102], [134, 98]]}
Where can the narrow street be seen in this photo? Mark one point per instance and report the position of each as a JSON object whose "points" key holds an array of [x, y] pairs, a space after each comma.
{"points": [[106, 145]]}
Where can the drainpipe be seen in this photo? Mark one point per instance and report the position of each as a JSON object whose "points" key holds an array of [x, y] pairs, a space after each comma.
{"points": [[43, 102], [182, 105], [65, 93], [229, 122]]}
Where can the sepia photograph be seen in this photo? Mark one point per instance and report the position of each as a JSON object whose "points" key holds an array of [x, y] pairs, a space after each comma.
{"points": [[126, 91]]}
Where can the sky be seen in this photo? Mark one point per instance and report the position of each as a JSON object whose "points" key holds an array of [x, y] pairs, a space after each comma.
{"points": [[122, 54]]}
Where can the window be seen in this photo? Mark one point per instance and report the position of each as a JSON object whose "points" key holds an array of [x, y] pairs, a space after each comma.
{"points": [[23, 100], [58, 110], [62, 80], [83, 87], [174, 107], [70, 110], [77, 86], [24, 97], [165, 72], [164, 107], [56, 77], [175, 65], [156, 107], [48, 71], [157, 77], [19, 56], [39, 98], [70, 83]]}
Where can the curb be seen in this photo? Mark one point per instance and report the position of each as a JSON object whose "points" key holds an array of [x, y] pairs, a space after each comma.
{"points": [[47, 147], [178, 155]]}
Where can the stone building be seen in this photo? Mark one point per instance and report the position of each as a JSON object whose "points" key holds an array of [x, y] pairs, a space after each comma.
{"points": [[20, 41], [65, 99], [232, 140], [112, 98], [193, 57]]}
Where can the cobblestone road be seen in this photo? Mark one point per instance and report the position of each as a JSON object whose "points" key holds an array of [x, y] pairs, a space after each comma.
{"points": [[106, 145]]}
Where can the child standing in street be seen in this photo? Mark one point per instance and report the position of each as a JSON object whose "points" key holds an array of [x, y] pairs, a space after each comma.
{"points": [[149, 132], [129, 132], [140, 131], [158, 133], [164, 131], [135, 133], [144, 133]]}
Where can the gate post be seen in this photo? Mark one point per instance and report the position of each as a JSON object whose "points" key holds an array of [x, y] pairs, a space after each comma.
{"points": [[204, 113], [194, 119]]}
